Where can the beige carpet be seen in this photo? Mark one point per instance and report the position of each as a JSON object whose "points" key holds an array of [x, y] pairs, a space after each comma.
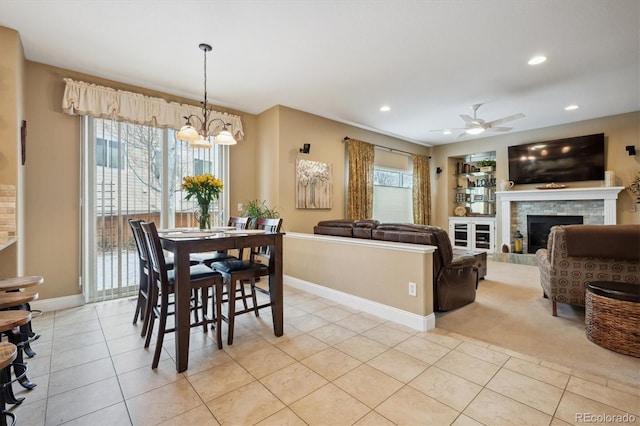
{"points": [[510, 312]]}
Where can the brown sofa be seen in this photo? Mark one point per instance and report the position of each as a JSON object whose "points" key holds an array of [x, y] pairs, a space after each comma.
{"points": [[455, 275], [579, 254]]}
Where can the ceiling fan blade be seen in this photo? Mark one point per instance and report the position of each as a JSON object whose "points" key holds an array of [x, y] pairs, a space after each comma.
{"points": [[500, 129], [505, 120], [467, 119], [451, 129]]}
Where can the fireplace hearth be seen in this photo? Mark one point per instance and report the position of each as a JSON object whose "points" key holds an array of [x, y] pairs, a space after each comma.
{"points": [[539, 226]]}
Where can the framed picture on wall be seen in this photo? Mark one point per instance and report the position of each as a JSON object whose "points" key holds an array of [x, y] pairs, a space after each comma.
{"points": [[314, 184]]}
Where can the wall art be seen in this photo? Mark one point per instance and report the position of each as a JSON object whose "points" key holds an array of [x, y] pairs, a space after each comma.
{"points": [[314, 185]]}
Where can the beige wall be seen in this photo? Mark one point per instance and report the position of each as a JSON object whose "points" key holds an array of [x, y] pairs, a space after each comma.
{"points": [[619, 130], [267, 158], [325, 136], [362, 268], [11, 116], [52, 183]]}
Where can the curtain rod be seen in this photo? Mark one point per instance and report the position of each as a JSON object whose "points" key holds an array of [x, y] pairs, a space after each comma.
{"points": [[346, 138]]}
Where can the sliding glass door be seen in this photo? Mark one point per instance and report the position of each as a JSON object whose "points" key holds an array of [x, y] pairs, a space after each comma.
{"points": [[131, 171]]}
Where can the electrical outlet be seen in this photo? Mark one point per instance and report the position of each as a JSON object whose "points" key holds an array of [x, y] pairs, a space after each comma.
{"points": [[412, 289], [240, 207]]}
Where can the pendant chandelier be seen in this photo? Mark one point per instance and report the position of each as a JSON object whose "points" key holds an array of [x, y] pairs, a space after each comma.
{"points": [[202, 138]]}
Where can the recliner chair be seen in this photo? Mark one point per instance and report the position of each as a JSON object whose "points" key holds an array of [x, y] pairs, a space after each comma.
{"points": [[455, 278]]}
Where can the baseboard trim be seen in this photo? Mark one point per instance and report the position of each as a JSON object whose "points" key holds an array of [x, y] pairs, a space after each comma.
{"points": [[409, 319], [57, 303], [417, 322]]}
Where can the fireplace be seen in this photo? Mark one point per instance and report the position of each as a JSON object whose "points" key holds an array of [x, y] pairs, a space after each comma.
{"points": [[538, 227], [547, 201]]}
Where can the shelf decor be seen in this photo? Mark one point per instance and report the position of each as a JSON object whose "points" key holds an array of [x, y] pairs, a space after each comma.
{"points": [[634, 187], [475, 186]]}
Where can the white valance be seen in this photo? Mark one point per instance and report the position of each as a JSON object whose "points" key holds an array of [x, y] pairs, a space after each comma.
{"points": [[82, 98]]}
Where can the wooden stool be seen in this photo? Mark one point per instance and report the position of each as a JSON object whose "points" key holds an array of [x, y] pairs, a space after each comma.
{"points": [[17, 283], [17, 300], [8, 353], [9, 321]]}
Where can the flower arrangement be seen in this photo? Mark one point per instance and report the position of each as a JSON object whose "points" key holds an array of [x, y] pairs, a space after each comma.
{"points": [[204, 188]]}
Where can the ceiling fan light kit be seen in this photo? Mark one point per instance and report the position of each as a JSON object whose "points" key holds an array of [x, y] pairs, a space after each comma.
{"points": [[475, 130], [475, 126]]}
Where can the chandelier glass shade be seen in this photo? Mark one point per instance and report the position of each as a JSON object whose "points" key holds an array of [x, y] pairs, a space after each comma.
{"points": [[202, 137]]}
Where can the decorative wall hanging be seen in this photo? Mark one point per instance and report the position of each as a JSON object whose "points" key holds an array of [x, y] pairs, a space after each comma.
{"points": [[314, 185]]}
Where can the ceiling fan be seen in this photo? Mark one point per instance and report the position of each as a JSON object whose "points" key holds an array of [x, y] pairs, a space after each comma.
{"points": [[475, 126]]}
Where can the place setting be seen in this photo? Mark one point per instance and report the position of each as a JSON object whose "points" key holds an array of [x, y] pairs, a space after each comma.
{"points": [[194, 232]]}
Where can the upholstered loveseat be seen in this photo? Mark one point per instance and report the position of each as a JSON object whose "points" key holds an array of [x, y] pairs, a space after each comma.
{"points": [[579, 254], [455, 275]]}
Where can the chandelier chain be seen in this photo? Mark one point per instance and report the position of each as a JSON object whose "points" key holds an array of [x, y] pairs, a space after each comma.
{"points": [[204, 106], [202, 138]]}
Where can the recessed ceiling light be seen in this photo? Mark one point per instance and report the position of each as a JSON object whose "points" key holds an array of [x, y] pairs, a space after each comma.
{"points": [[385, 108], [536, 60], [571, 107]]}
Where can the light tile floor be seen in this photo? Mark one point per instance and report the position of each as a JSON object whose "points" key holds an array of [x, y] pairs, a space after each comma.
{"points": [[334, 366]]}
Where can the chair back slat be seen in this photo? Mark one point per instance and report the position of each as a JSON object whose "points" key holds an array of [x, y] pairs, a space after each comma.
{"points": [[269, 225], [156, 255], [139, 238], [238, 222]]}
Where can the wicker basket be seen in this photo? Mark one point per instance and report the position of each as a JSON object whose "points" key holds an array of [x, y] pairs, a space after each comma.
{"points": [[613, 324]]}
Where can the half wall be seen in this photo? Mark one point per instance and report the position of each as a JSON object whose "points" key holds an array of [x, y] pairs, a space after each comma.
{"points": [[369, 275]]}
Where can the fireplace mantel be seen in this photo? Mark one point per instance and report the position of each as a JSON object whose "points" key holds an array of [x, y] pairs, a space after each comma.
{"points": [[608, 194]]}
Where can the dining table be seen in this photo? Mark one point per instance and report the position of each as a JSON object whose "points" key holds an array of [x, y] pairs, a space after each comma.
{"points": [[181, 243]]}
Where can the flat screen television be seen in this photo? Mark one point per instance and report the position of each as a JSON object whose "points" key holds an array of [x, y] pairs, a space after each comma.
{"points": [[563, 160]]}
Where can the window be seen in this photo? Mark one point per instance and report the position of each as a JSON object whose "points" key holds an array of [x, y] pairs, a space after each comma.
{"points": [[392, 178], [107, 154], [392, 195], [134, 172], [201, 167]]}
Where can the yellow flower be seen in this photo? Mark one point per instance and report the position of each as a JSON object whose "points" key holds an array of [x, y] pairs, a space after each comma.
{"points": [[203, 187]]}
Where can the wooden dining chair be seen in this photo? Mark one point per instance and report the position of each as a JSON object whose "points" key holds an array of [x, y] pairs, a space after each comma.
{"points": [[207, 258], [143, 304], [143, 275], [202, 278], [237, 272]]}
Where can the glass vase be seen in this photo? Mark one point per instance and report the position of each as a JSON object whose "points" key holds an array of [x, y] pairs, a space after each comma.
{"points": [[202, 215]]}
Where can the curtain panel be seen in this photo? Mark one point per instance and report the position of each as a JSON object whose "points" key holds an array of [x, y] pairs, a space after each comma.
{"points": [[360, 186], [82, 98], [421, 190]]}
